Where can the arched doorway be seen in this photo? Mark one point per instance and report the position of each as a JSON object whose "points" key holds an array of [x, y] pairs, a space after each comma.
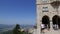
{"points": [[46, 21], [59, 22], [56, 22]]}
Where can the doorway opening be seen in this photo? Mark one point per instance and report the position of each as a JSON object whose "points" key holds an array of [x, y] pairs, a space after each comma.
{"points": [[46, 22], [56, 22]]}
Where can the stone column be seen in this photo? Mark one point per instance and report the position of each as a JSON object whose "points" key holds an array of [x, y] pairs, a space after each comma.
{"points": [[38, 26], [51, 26], [51, 23]]}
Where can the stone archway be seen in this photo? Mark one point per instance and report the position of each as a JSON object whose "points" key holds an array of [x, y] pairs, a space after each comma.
{"points": [[46, 21], [56, 21], [55, 5]]}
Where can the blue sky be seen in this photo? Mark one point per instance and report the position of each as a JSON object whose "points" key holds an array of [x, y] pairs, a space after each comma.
{"points": [[17, 11]]}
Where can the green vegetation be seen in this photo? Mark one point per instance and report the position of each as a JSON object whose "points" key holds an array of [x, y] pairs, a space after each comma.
{"points": [[16, 30]]}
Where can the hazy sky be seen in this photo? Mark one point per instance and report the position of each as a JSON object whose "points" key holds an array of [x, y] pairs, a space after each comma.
{"points": [[17, 11]]}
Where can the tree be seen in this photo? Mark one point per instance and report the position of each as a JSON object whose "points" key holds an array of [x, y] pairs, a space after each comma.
{"points": [[16, 30]]}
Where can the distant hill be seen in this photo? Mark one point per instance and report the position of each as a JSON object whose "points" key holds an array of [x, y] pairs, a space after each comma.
{"points": [[6, 32], [4, 27], [26, 26]]}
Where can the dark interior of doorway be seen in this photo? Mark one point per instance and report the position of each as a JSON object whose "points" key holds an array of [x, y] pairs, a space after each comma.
{"points": [[46, 22], [56, 20]]}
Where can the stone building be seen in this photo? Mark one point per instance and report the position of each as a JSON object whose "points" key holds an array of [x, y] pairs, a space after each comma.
{"points": [[48, 13]]}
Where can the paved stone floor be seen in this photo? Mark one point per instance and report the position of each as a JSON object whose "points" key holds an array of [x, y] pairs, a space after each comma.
{"points": [[51, 32]]}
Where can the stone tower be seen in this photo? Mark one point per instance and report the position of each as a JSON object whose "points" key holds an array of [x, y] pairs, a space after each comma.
{"points": [[48, 13]]}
